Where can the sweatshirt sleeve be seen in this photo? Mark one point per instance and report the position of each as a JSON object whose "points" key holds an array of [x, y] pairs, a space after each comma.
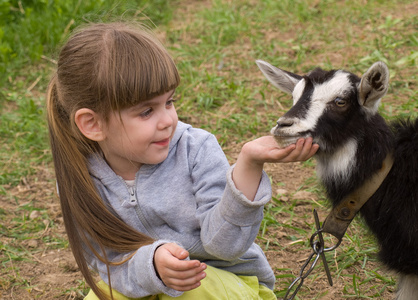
{"points": [[229, 221], [135, 278]]}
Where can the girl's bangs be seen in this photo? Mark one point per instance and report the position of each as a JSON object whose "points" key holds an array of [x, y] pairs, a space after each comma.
{"points": [[144, 70]]}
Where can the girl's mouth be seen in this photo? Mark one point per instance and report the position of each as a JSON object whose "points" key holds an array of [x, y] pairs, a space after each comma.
{"points": [[163, 142]]}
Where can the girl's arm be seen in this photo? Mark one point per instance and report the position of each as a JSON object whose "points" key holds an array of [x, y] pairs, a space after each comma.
{"points": [[229, 216], [249, 166]]}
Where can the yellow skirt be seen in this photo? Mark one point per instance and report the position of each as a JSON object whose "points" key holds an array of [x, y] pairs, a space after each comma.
{"points": [[217, 285]]}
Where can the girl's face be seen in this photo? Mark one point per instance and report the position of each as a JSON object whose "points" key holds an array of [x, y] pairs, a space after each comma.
{"points": [[140, 135]]}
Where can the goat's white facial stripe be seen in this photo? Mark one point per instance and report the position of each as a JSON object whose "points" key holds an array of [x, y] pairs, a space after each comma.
{"points": [[298, 90], [333, 88], [339, 165], [314, 113]]}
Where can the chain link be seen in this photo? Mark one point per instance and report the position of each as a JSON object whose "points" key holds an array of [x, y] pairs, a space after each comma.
{"points": [[319, 250]]}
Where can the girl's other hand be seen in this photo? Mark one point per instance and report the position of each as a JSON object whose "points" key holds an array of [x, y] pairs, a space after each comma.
{"points": [[176, 272]]}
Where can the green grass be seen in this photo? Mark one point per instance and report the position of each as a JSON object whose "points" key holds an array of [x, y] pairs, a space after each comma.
{"points": [[24, 137], [214, 44], [32, 29]]}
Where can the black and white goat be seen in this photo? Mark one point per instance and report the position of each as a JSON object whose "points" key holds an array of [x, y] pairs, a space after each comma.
{"points": [[340, 111]]}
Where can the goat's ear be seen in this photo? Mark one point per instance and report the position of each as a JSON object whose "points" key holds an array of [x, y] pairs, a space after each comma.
{"points": [[281, 79], [373, 86]]}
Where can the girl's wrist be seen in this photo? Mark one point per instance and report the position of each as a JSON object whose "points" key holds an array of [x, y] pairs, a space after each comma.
{"points": [[247, 156], [247, 174]]}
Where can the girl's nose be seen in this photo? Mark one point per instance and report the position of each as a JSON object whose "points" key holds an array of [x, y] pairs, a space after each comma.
{"points": [[166, 119]]}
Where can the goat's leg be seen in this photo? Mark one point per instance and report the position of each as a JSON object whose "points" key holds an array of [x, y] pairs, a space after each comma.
{"points": [[407, 287]]}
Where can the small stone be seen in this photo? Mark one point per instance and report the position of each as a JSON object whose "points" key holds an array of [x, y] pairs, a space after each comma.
{"points": [[284, 198], [281, 234], [303, 195], [281, 192], [34, 214], [33, 244]]}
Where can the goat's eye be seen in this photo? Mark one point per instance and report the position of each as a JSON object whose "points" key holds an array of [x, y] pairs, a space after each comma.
{"points": [[339, 102]]}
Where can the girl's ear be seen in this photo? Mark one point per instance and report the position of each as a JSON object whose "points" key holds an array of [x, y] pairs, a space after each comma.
{"points": [[90, 124]]}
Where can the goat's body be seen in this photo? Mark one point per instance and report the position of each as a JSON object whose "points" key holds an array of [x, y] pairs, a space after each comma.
{"points": [[392, 212], [340, 111]]}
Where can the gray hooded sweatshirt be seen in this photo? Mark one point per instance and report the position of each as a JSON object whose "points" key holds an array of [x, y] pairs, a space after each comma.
{"points": [[189, 199]]}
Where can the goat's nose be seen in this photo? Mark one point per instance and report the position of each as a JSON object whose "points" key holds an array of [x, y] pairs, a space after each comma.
{"points": [[285, 122]]}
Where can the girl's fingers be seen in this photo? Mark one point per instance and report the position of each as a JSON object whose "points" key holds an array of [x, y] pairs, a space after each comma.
{"points": [[186, 271], [187, 280], [304, 149], [182, 280], [309, 149]]}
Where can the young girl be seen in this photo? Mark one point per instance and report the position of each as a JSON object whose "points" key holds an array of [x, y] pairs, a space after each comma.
{"points": [[149, 202]]}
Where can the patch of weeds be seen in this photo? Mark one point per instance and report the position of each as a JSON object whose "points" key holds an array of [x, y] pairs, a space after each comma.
{"points": [[23, 137], [78, 292], [363, 288]]}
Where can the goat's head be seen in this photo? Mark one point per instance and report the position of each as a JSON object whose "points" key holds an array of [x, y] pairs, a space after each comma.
{"points": [[330, 106]]}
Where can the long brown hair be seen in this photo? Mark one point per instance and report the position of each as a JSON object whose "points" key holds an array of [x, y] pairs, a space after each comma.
{"points": [[103, 67]]}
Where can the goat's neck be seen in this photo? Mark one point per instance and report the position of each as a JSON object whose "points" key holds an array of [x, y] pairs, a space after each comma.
{"points": [[349, 165], [339, 165]]}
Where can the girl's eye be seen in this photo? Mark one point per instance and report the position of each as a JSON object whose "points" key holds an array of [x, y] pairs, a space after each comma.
{"points": [[170, 102], [146, 113], [340, 102]]}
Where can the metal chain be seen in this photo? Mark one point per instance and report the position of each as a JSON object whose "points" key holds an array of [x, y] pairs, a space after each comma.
{"points": [[319, 250]]}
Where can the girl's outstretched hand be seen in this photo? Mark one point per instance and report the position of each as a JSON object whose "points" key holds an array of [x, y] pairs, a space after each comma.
{"points": [[176, 272], [249, 166], [265, 149]]}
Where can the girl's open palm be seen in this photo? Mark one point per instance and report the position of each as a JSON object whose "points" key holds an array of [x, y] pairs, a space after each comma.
{"points": [[254, 154], [265, 149], [175, 271]]}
